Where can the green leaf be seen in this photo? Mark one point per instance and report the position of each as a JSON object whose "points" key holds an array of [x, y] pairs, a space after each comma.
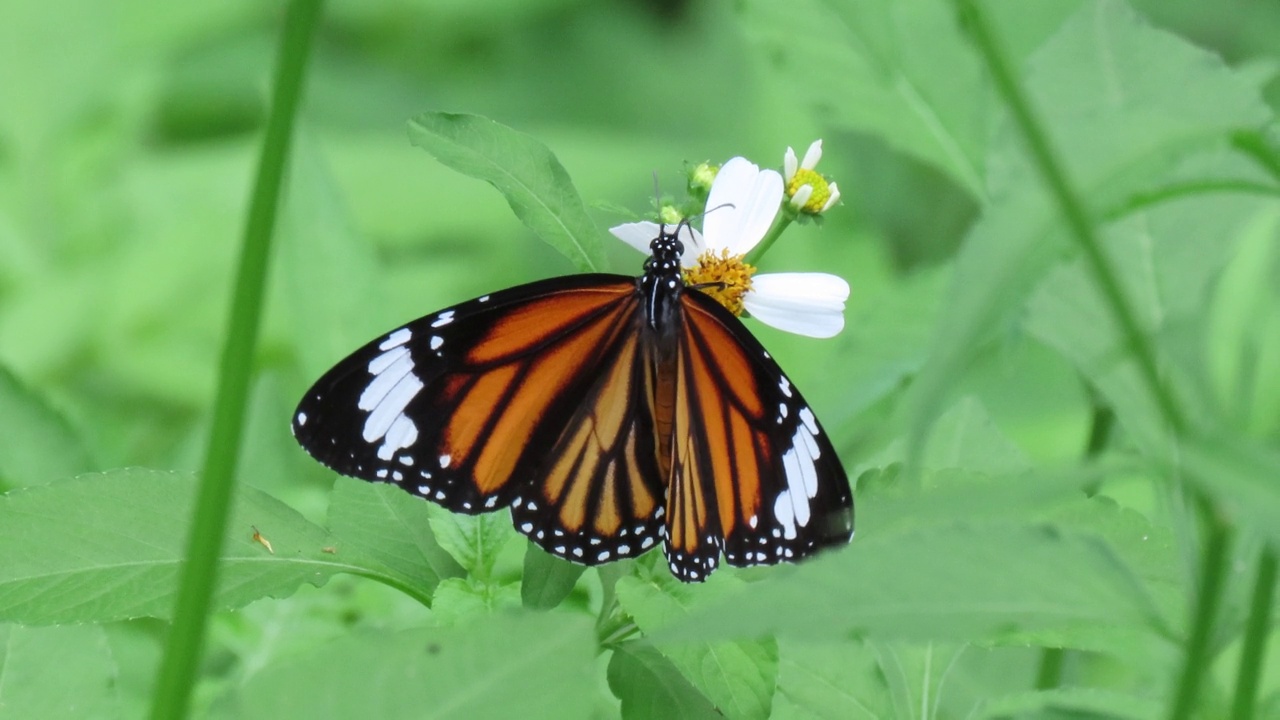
{"points": [[387, 525], [527, 666], [1074, 703], [56, 672], [473, 540], [547, 579], [737, 676], [109, 546], [461, 600], [650, 686], [834, 680], [1239, 476], [1113, 142], [535, 184], [852, 68], [39, 444], [979, 582]]}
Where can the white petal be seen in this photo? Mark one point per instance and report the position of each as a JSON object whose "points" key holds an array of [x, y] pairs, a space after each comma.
{"points": [[751, 198], [810, 304], [812, 155], [802, 196], [790, 164], [640, 235], [637, 234], [831, 201]]}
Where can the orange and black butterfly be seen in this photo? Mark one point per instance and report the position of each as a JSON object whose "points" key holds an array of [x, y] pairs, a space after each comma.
{"points": [[609, 413]]}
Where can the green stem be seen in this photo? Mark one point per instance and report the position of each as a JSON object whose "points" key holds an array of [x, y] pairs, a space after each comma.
{"points": [[783, 220], [1108, 282], [1073, 210], [1213, 568], [177, 675], [1255, 637]]}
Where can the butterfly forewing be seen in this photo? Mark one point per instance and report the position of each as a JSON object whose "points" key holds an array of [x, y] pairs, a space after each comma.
{"points": [[457, 406]]}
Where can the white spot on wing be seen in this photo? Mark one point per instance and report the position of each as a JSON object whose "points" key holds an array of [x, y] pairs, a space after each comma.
{"points": [[302, 419], [445, 318], [402, 434], [436, 342], [784, 512], [379, 364], [396, 339], [806, 415], [445, 460], [785, 386]]}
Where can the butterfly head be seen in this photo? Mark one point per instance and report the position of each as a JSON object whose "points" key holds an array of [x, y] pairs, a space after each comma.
{"points": [[667, 248], [663, 278]]}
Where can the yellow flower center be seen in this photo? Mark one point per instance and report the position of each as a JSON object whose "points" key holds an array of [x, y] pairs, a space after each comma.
{"points": [[724, 277], [820, 190]]}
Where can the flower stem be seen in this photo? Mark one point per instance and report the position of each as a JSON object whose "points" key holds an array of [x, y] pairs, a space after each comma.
{"points": [[1255, 637], [177, 676], [780, 224], [1212, 575]]}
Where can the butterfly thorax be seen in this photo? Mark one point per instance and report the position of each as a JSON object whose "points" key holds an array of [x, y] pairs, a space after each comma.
{"points": [[661, 286], [662, 283]]}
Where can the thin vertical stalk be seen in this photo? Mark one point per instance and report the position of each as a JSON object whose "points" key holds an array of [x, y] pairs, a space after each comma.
{"points": [[1255, 637], [182, 654], [1213, 570], [1073, 210], [1216, 535]]}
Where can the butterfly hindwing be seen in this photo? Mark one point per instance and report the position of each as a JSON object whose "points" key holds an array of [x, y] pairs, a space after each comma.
{"points": [[757, 476], [599, 496]]}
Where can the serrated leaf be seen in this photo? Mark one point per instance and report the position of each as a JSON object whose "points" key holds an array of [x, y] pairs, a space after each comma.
{"points": [[527, 666], [962, 582], [389, 526], [851, 69], [528, 175], [1112, 144], [110, 546], [461, 600], [473, 540], [834, 680], [737, 676], [547, 580], [56, 672], [651, 688]]}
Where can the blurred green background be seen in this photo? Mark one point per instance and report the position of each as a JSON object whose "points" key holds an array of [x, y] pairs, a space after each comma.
{"points": [[129, 133]]}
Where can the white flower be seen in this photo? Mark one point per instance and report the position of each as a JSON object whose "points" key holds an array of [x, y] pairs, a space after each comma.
{"points": [[741, 207], [803, 181]]}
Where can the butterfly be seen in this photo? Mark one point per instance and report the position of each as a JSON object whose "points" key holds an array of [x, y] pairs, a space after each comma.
{"points": [[610, 413]]}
